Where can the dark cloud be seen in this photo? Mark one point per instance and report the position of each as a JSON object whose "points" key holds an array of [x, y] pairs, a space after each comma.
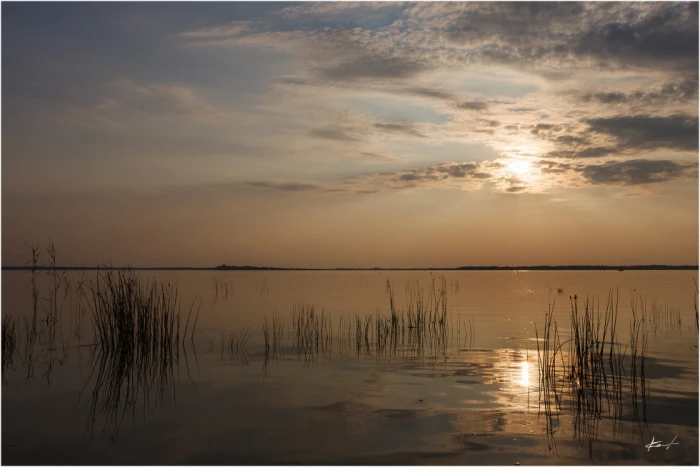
{"points": [[510, 22], [491, 123], [543, 129], [378, 68], [463, 170], [668, 36], [571, 140], [646, 132], [437, 173], [634, 172], [407, 128], [550, 167], [598, 151], [472, 105], [522, 109], [286, 186], [607, 97], [333, 134], [683, 90], [431, 93], [611, 33]]}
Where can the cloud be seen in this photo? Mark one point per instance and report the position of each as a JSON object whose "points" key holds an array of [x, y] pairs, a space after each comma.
{"points": [[544, 176], [287, 186], [407, 128], [636, 172], [440, 94], [668, 34], [646, 132], [375, 156], [372, 68], [171, 99], [683, 90], [232, 29], [329, 9], [466, 176], [549, 35], [592, 152], [333, 134], [472, 105], [571, 140]]}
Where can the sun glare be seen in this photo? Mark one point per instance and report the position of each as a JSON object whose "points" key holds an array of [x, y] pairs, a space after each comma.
{"points": [[524, 374], [519, 167]]}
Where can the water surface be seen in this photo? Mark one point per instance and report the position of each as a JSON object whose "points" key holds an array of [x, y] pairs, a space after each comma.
{"points": [[474, 397]]}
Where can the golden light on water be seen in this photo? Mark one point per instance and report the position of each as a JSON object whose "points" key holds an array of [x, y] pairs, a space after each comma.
{"points": [[524, 373]]}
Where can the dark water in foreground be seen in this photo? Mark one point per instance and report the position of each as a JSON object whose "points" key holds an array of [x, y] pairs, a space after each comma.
{"points": [[471, 396]]}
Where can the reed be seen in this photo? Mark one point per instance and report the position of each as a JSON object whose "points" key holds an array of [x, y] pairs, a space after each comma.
{"points": [[236, 345], [134, 318], [137, 337], [9, 342], [273, 333], [312, 331], [419, 329], [595, 372], [695, 304], [34, 261], [221, 287]]}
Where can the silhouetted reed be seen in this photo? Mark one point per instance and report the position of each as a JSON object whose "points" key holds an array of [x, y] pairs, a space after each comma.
{"points": [[273, 335], [9, 342], [134, 318], [312, 331], [422, 329], [263, 289], [592, 374], [235, 345], [695, 304], [122, 383], [137, 339], [34, 261], [221, 287]]}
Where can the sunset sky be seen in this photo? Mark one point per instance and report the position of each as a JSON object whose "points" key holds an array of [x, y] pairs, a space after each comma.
{"points": [[351, 134]]}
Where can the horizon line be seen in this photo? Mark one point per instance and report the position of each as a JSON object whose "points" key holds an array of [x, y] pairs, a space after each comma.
{"points": [[224, 267]]}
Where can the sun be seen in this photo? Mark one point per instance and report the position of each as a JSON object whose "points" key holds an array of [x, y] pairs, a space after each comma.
{"points": [[519, 167]]}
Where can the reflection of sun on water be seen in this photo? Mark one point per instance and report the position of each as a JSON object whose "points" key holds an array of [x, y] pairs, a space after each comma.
{"points": [[524, 372]]}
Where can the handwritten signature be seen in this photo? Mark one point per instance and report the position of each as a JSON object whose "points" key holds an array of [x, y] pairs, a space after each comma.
{"points": [[657, 444]]}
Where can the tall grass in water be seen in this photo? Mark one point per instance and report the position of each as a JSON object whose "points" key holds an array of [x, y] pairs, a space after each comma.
{"points": [[235, 345], [221, 286], [137, 336], [695, 305], [273, 334], [34, 261], [312, 331], [547, 364], [596, 369], [135, 318], [9, 342], [422, 327]]}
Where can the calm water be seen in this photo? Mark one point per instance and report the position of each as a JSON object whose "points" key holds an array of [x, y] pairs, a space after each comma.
{"points": [[472, 398]]}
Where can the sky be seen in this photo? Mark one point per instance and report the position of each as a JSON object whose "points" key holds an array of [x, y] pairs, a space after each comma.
{"points": [[339, 134]]}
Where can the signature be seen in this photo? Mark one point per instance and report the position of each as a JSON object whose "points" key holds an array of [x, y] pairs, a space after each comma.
{"points": [[657, 444]]}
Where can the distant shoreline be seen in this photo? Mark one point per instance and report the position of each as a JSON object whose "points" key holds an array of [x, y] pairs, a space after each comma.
{"points": [[461, 268]]}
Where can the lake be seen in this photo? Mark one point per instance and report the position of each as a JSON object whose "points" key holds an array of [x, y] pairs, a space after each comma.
{"points": [[312, 367]]}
